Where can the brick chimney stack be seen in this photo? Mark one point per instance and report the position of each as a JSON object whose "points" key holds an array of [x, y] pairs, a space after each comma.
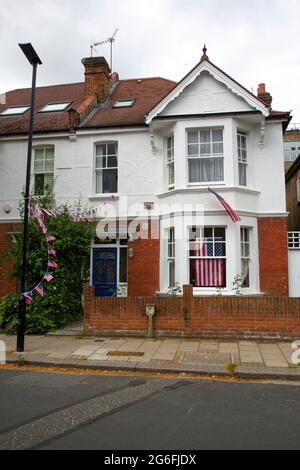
{"points": [[263, 95], [97, 77]]}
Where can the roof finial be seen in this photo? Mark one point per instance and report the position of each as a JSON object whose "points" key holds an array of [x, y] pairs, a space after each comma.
{"points": [[205, 56]]}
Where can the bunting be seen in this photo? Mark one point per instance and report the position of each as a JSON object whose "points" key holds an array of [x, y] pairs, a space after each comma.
{"points": [[38, 213]]}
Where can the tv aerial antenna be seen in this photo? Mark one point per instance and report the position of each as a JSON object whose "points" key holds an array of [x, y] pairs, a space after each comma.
{"points": [[111, 40]]}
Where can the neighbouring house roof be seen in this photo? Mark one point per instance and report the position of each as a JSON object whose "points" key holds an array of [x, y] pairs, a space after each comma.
{"points": [[146, 92], [293, 169]]}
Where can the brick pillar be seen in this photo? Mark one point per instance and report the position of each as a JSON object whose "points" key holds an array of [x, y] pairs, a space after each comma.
{"points": [[7, 284], [143, 267], [273, 255]]}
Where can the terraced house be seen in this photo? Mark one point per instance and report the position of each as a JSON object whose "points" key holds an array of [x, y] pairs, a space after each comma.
{"points": [[155, 147]]}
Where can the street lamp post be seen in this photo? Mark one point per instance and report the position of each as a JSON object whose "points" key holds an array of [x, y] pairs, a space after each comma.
{"points": [[34, 60]]}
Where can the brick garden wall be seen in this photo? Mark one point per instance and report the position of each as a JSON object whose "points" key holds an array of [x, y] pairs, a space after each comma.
{"points": [[7, 285], [188, 316]]}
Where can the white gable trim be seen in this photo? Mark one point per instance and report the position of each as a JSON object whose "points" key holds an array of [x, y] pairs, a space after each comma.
{"points": [[218, 75]]}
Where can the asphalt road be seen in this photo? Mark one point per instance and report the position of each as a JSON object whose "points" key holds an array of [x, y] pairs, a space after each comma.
{"points": [[58, 411]]}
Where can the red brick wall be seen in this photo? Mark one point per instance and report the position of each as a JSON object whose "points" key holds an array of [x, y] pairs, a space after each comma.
{"points": [[7, 285], [273, 255], [208, 317], [96, 77], [143, 267]]}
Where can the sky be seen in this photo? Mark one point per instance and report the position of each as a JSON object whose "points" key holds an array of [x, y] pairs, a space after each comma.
{"points": [[254, 41]]}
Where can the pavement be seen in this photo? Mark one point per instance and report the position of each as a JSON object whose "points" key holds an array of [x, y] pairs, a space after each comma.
{"points": [[253, 359]]}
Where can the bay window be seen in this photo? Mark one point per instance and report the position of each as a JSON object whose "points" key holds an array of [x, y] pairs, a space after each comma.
{"points": [[242, 158], [207, 256], [205, 155], [245, 256], [170, 162], [171, 257], [106, 168]]}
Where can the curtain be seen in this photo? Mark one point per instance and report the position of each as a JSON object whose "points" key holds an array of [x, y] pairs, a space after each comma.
{"points": [[206, 169]]}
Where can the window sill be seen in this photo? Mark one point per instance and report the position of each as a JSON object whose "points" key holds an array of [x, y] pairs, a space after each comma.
{"points": [[203, 189], [101, 197]]}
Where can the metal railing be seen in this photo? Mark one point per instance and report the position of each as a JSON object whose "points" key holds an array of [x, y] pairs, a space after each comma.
{"points": [[294, 240]]}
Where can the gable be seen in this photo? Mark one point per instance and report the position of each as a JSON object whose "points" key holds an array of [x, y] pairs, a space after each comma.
{"points": [[206, 95], [211, 93]]}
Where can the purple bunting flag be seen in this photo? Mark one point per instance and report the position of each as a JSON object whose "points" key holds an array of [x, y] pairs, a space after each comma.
{"points": [[48, 277], [52, 264], [28, 297], [40, 289]]}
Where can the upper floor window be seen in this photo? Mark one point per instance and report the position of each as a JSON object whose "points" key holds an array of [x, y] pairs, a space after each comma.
{"points": [[242, 158], [207, 254], [43, 170], [170, 162], [205, 156], [106, 168]]}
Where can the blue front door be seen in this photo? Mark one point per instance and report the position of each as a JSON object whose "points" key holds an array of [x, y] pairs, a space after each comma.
{"points": [[105, 271]]}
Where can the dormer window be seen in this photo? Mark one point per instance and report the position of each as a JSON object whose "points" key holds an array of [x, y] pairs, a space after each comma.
{"points": [[55, 107], [124, 103], [15, 111]]}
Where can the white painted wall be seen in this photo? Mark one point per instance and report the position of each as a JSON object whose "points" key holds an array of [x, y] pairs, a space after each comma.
{"points": [[294, 273], [142, 173]]}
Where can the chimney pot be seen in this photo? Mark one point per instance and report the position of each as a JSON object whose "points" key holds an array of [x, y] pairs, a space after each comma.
{"points": [[261, 88]]}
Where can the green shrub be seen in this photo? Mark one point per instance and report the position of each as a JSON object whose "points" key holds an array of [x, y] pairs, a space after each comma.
{"points": [[62, 300]]}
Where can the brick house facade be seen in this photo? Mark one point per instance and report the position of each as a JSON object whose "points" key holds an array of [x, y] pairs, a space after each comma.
{"points": [[155, 147]]}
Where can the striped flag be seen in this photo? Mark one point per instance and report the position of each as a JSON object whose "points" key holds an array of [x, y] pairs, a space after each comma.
{"points": [[209, 272], [232, 214]]}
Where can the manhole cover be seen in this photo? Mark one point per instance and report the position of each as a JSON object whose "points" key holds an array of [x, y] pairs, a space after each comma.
{"points": [[125, 353]]}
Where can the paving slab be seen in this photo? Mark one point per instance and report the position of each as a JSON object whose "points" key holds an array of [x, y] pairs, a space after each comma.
{"points": [[207, 358], [164, 356], [208, 346], [189, 346]]}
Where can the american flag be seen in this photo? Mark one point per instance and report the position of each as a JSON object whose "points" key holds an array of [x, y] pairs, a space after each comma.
{"points": [[233, 215], [209, 272]]}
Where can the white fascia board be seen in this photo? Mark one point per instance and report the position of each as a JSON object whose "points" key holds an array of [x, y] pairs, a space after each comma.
{"points": [[218, 75]]}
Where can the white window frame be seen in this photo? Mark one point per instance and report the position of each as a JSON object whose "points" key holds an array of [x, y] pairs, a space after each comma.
{"points": [[171, 254], [170, 161], [43, 171], [244, 256], [214, 241], [205, 156], [103, 168], [242, 155]]}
